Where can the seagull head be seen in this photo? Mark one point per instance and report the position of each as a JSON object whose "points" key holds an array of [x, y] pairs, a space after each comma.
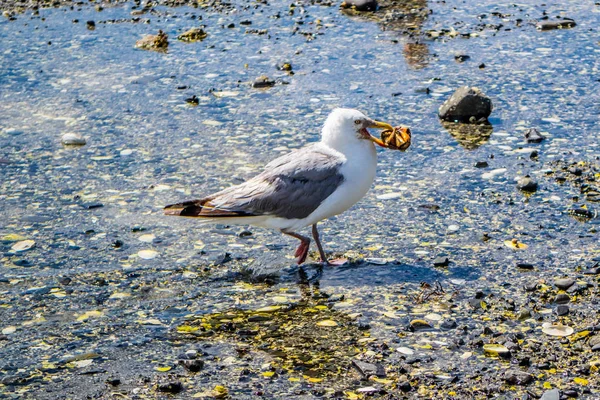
{"points": [[345, 126]]}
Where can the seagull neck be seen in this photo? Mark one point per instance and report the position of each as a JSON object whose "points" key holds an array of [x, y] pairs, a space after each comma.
{"points": [[348, 147]]}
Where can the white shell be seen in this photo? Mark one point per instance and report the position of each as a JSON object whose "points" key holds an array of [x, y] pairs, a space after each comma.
{"points": [[72, 139]]}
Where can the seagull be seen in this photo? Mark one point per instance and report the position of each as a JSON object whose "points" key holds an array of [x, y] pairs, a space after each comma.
{"points": [[303, 187]]}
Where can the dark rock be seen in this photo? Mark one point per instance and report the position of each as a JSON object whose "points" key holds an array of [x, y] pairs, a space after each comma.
{"points": [[419, 325], [525, 313], [571, 393], [405, 386], [441, 261], [263, 82], [368, 369], [192, 365], [245, 233], [527, 184], [562, 310], [512, 346], [549, 25], [517, 377], [596, 347], [91, 25], [113, 381], [193, 100], [448, 324], [523, 265], [360, 5], [461, 58], [553, 394], [481, 66], [531, 287], [564, 283], [594, 341], [465, 104], [363, 324], [170, 387], [481, 164], [532, 135], [562, 299], [595, 270]]}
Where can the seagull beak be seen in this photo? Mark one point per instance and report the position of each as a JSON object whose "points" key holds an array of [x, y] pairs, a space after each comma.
{"points": [[379, 125]]}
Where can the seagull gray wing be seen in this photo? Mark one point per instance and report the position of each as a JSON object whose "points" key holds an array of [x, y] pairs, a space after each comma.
{"points": [[291, 186]]}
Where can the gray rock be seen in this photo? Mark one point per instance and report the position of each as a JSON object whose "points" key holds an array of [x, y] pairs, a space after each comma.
{"points": [[527, 184], [368, 369], [523, 265], [553, 394], [465, 105], [72, 139], [532, 135], [517, 377], [263, 82], [595, 270], [564, 283], [562, 299], [441, 261], [594, 341], [562, 310], [360, 5], [549, 25]]}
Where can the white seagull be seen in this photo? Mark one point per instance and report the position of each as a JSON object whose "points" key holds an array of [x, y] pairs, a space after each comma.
{"points": [[303, 187]]}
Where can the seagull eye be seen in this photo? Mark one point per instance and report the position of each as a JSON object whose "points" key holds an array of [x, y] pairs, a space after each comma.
{"points": [[357, 122]]}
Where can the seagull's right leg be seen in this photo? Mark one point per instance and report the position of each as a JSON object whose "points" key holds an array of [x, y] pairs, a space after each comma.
{"points": [[302, 250]]}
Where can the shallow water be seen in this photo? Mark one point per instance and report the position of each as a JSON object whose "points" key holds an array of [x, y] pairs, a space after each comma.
{"points": [[146, 147]]}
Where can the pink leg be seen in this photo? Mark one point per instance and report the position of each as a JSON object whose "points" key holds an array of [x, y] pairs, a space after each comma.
{"points": [[337, 261], [302, 250]]}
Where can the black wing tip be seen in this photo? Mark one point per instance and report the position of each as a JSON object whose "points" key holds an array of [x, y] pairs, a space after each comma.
{"points": [[186, 209]]}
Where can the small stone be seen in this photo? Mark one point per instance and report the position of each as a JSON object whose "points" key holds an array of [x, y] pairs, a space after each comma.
{"points": [[527, 184], [448, 324], [481, 66], [531, 287], [481, 164], [562, 298], [72, 139], [368, 369], [360, 5], [441, 261], [157, 42], [516, 377], [192, 365], [193, 35], [523, 265], [595, 270], [91, 25], [113, 381], [596, 347], [245, 233], [461, 58], [193, 100], [524, 314], [170, 387], [419, 325], [564, 283], [286, 66], [562, 310], [405, 386], [549, 25], [553, 394], [532, 135], [464, 104], [594, 341], [263, 82]]}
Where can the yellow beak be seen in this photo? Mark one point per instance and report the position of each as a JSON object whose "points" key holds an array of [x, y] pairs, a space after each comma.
{"points": [[379, 125]]}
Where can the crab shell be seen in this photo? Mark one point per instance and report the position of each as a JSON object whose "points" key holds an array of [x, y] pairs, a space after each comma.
{"points": [[398, 139]]}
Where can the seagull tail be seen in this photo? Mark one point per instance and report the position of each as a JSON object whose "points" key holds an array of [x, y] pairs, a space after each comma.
{"points": [[203, 209], [186, 209]]}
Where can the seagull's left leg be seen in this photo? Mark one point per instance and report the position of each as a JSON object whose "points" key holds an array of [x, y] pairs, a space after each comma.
{"points": [[302, 250], [337, 261]]}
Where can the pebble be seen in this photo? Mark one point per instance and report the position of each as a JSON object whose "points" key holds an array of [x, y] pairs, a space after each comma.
{"points": [[562, 298], [360, 5], [72, 139], [523, 265], [466, 104], [527, 184], [147, 254], [419, 325], [564, 283], [594, 341], [368, 369], [532, 135], [192, 365], [23, 245], [481, 164], [562, 310], [441, 261], [448, 324], [461, 58], [263, 82], [592, 271], [549, 25], [553, 394], [170, 387], [516, 377], [405, 386]]}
